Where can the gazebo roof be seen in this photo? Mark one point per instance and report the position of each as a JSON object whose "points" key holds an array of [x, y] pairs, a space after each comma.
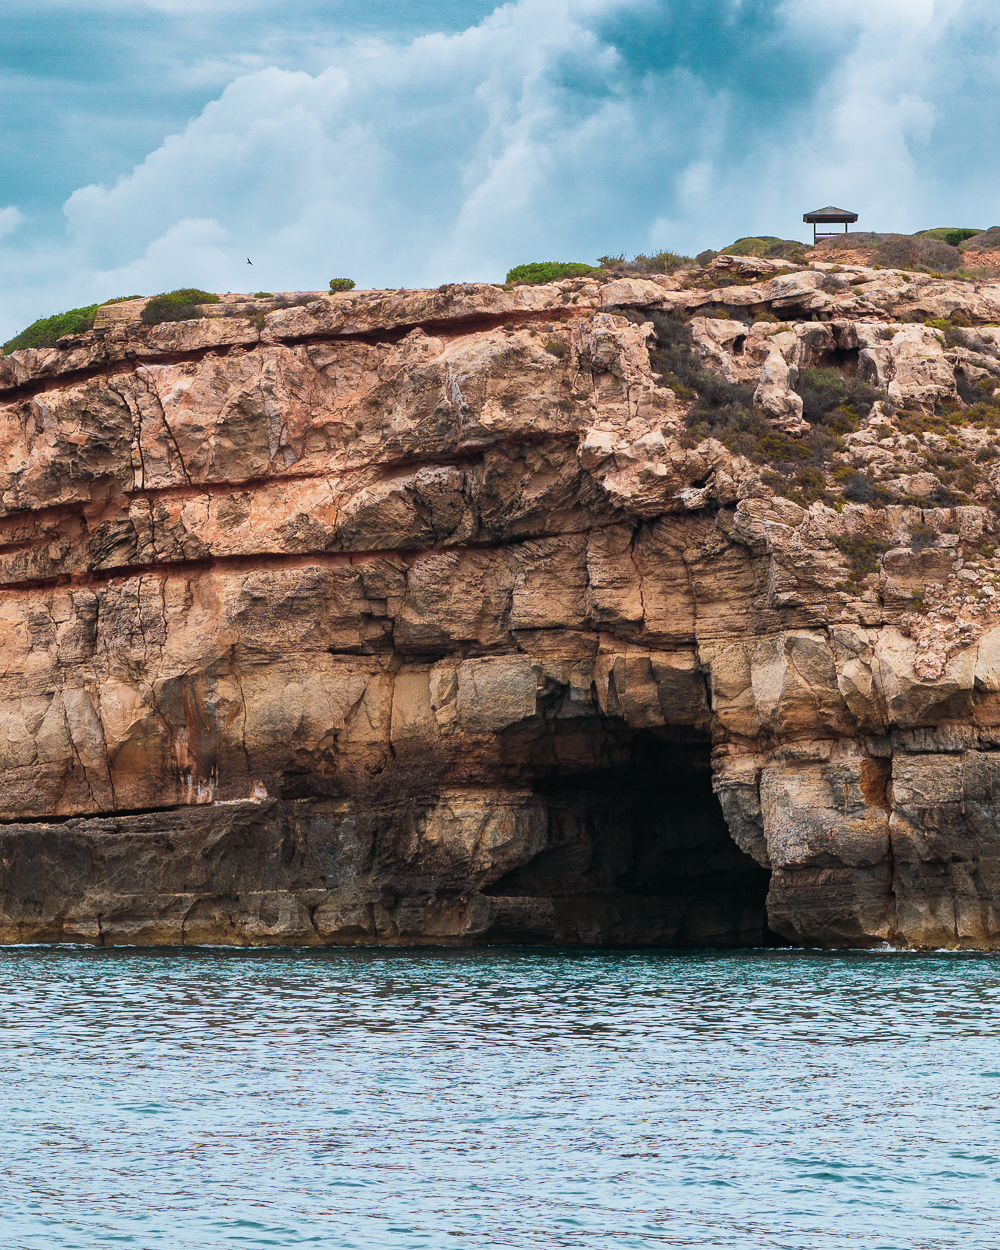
{"points": [[830, 214]]}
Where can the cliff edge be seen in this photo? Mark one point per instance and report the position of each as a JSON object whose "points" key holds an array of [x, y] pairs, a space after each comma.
{"points": [[658, 611]]}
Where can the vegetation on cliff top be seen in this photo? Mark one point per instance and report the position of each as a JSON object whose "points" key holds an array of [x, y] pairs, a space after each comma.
{"points": [[46, 331], [952, 235], [768, 246], [179, 305], [897, 251], [660, 262], [986, 240], [547, 271]]}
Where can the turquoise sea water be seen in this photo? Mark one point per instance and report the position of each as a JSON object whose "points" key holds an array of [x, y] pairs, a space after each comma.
{"points": [[498, 1098]]}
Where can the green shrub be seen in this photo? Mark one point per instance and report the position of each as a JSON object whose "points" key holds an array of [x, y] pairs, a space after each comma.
{"points": [[810, 486], [556, 348], [661, 262], [827, 391], [547, 271], [768, 246], [179, 305], [862, 552], [46, 330], [859, 488], [263, 295], [973, 392], [341, 284], [922, 536], [952, 235], [918, 423], [987, 240]]}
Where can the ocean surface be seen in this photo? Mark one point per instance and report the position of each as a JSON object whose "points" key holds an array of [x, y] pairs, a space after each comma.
{"points": [[498, 1098]]}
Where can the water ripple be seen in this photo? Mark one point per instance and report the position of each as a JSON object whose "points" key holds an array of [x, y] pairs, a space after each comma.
{"points": [[775, 1100]]}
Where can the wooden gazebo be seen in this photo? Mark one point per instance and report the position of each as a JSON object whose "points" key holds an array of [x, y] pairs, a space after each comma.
{"points": [[829, 216]]}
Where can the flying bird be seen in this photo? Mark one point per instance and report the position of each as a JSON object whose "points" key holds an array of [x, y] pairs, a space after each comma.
{"points": [[249, 261]]}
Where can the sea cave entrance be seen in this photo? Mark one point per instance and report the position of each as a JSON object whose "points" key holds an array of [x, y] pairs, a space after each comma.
{"points": [[638, 854]]}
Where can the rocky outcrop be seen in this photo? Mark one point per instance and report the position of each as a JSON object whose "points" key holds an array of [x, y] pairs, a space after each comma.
{"points": [[431, 617]]}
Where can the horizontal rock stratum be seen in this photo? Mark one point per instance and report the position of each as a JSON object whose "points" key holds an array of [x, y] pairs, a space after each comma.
{"points": [[433, 617]]}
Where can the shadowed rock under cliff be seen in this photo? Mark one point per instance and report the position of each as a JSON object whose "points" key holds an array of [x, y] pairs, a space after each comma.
{"points": [[432, 617]]}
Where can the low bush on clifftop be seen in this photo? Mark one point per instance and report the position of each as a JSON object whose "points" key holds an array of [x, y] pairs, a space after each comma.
{"points": [[986, 240], [179, 305], [661, 262], [547, 271], [46, 331], [895, 251], [768, 246], [952, 235]]}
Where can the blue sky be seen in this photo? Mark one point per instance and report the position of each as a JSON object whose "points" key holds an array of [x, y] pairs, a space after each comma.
{"points": [[150, 144]]}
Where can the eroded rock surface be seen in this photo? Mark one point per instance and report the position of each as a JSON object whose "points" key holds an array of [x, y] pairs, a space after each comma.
{"points": [[423, 617]]}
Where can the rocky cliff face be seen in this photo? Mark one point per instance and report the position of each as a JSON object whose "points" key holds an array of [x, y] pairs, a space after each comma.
{"points": [[459, 616]]}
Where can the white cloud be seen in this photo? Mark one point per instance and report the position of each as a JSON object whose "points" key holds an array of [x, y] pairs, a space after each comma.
{"points": [[10, 219], [695, 184], [527, 136], [454, 156], [199, 247]]}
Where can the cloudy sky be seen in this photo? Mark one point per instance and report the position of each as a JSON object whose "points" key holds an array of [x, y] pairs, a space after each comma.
{"points": [[151, 144]]}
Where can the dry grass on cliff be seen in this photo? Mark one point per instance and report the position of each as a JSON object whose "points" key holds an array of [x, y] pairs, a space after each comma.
{"points": [[833, 404], [823, 463], [892, 251], [660, 262], [977, 259]]}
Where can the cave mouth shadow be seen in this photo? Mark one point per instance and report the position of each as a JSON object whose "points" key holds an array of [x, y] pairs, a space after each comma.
{"points": [[638, 855]]}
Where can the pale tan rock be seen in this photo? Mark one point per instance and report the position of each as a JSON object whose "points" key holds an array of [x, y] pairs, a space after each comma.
{"points": [[632, 293], [416, 616], [774, 394], [818, 814], [746, 266], [795, 686], [909, 699], [495, 692]]}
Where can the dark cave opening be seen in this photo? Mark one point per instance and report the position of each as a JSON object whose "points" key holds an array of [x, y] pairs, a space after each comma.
{"points": [[638, 854], [845, 359]]}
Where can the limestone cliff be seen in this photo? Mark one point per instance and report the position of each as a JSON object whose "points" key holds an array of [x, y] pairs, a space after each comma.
{"points": [[459, 615]]}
